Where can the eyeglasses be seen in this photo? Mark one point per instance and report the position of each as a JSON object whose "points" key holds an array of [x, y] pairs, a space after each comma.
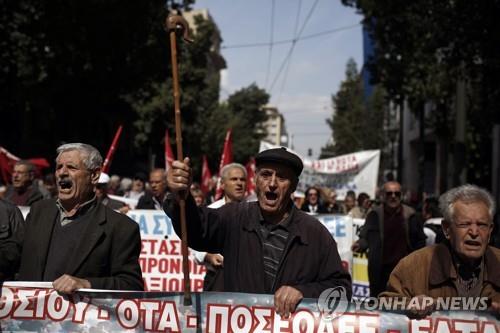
{"points": [[397, 194]]}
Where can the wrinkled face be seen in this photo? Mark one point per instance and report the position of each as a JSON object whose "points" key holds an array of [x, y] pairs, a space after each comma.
{"points": [[470, 230], [74, 181], [234, 185], [274, 185], [312, 196], [392, 194], [158, 183], [21, 177]]}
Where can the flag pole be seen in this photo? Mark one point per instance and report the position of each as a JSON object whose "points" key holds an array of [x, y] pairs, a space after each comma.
{"points": [[176, 23], [109, 156]]}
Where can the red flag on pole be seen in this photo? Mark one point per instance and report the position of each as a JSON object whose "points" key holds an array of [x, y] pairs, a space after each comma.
{"points": [[206, 176], [169, 156], [250, 176], [226, 158], [109, 156], [7, 161]]}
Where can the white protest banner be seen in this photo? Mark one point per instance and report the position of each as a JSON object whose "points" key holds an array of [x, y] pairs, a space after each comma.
{"points": [[357, 172], [161, 258]]}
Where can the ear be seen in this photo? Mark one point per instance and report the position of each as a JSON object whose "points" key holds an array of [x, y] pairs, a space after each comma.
{"points": [[94, 176], [445, 225]]}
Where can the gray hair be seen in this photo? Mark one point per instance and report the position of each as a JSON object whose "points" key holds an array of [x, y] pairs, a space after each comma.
{"points": [[467, 193], [226, 168], [92, 159]]}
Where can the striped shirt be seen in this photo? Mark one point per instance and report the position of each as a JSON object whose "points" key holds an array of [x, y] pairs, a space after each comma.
{"points": [[274, 241]]}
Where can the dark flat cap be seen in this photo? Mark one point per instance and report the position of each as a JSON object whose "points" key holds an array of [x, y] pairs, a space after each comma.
{"points": [[280, 156]]}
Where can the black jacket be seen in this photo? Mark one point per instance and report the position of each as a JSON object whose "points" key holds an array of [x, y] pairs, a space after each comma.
{"points": [[310, 261], [11, 225], [107, 256]]}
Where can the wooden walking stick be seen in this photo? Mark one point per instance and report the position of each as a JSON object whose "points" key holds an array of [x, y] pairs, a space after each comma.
{"points": [[177, 24]]}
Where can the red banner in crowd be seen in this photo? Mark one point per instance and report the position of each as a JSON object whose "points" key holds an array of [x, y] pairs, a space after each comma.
{"points": [[169, 156], [226, 158], [250, 176], [206, 176]]}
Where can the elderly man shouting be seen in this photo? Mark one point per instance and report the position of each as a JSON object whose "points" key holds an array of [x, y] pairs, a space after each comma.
{"points": [[464, 265], [75, 241], [269, 246]]}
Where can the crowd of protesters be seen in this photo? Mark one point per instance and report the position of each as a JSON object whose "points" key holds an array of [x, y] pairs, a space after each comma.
{"points": [[75, 221]]}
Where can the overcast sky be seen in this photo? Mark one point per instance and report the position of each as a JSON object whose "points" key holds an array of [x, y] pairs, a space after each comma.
{"points": [[302, 87]]}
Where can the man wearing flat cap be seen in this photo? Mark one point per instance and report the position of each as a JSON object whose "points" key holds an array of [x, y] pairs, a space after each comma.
{"points": [[269, 246]]}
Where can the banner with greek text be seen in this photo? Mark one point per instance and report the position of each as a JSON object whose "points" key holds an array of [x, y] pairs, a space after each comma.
{"points": [[356, 171], [29, 309], [161, 257]]}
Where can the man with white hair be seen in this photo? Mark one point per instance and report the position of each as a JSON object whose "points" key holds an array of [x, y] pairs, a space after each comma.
{"points": [[75, 241], [464, 265], [233, 183]]}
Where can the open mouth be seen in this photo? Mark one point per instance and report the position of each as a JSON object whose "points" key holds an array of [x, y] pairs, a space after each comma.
{"points": [[472, 243], [271, 196], [65, 184]]}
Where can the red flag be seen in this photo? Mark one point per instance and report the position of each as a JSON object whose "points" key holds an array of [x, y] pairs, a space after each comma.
{"points": [[109, 156], [226, 158], [7, 161], [206, 176], [250, 176], [169, 156]]}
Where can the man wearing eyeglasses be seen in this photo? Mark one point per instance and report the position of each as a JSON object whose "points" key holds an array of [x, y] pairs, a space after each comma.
{"points": [[464, 265], [391, 231]]}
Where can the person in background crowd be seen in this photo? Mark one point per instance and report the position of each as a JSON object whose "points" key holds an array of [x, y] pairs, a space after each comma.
{"points": [[298, 198], [138, 185], [11, 224], [432, 225], [390, 232], [125, 186], [3, 190], [75, 241], [268, 245], [101, 192], [233, 183], [154, 198], [22, 192], [349, 202], [198, 196], [332, 206], [114, 185], [464, 265], [363, 207], [312, 203], [49, 183]]}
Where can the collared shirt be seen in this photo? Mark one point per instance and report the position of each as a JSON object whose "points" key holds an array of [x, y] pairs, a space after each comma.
{"points": [[274, 240], [65, 219]]}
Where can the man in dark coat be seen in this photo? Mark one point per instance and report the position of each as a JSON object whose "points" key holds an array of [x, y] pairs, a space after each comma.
{"points": [[269, 246], [22, 192], [75, 241], [11, 223], [154, 198], [391, 231]]}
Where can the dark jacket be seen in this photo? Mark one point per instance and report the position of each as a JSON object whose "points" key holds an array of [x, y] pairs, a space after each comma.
{"points": [[371, 238], [107, 256], [11, 223], [34, 195], [321, 209], [310, 261], [146, 202]]}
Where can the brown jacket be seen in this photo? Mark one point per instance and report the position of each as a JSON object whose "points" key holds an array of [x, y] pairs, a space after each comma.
{"points": [[430, 271]]}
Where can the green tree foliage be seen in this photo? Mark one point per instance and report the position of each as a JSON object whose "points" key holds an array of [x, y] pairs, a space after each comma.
{"points": [[423, 47], [355, 125], [243, 113]]}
